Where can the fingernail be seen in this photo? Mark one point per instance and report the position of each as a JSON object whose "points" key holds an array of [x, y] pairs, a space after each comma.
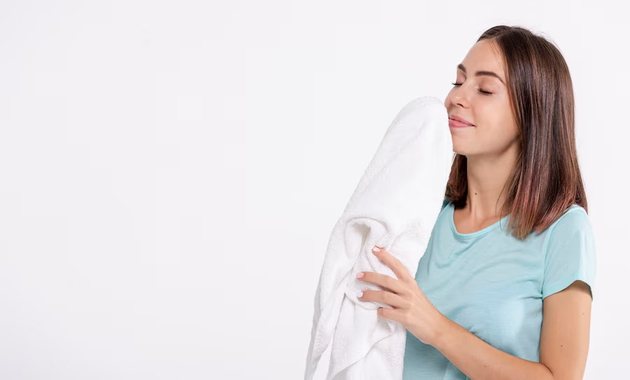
{"points": [[360, 294], [360, 274], [376, 249]]}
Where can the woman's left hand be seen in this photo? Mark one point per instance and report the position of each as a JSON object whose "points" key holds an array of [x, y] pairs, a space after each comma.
{"points": [[410, 305]]}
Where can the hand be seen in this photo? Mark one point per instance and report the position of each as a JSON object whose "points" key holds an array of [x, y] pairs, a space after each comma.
{"points": [[411, 307]]}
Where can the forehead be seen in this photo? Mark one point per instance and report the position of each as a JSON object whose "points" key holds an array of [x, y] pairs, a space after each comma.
{"points": [[484, 56]]}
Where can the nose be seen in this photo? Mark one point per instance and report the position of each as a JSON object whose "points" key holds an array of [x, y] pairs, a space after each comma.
{"points": [[458, 97]]}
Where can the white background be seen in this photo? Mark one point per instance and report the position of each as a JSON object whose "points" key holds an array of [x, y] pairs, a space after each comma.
{"points": [[171, 171]]}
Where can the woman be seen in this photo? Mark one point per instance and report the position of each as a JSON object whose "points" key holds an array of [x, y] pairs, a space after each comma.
{"points": [[503, 290]]}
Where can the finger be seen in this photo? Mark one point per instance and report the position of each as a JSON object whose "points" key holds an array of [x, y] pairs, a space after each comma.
{"points": [[384, 281], [382, 296], [401, 272], [393, 314]]}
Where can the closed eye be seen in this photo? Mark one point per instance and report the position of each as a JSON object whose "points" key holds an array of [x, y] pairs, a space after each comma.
{"points": [[480, 90]]}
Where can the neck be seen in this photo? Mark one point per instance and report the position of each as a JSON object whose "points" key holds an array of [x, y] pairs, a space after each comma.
{"points": [[487, 176]]}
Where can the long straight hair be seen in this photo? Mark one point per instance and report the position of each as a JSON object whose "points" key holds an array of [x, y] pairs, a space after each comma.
{"points": [[546, 180]]}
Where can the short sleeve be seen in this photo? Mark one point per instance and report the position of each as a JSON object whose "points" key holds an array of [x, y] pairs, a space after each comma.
{"points": [[570, 253]]}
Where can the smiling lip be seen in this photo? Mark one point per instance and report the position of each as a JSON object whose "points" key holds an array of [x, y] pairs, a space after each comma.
{"points": [[463, 121], [458, 124]]}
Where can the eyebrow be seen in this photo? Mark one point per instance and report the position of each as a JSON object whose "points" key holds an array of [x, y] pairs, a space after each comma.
{"points": [[480, 73]]}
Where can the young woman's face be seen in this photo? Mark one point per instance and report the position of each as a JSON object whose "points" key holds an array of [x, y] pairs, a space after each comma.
{"points": [[494, 128]]}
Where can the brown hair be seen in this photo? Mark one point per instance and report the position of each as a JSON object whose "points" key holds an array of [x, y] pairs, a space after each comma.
{"points": [[546, 180]]}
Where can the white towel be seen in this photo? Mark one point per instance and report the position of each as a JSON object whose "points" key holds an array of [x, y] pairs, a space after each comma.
{"points": [[395, 206]]}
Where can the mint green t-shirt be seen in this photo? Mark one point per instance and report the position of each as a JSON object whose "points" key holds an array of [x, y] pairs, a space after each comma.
{"points": [[493, 284]]}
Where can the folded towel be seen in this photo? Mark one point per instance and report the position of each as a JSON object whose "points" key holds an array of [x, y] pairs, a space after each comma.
{"points": [[394, 206]]}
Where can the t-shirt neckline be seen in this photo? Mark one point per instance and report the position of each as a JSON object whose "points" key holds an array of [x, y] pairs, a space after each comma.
{"points": [[483, 231]]}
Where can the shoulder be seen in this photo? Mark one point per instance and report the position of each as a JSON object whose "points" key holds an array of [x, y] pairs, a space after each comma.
{"points": [[573, 227], [445, 203], [571, 233], [575, 218]]}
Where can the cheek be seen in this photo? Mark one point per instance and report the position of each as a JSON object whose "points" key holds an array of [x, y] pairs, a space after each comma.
{"points": [[499, 134], [509, 129]]}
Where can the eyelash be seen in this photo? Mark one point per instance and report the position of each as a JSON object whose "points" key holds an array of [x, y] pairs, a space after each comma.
{"points": [[482, 91]]}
